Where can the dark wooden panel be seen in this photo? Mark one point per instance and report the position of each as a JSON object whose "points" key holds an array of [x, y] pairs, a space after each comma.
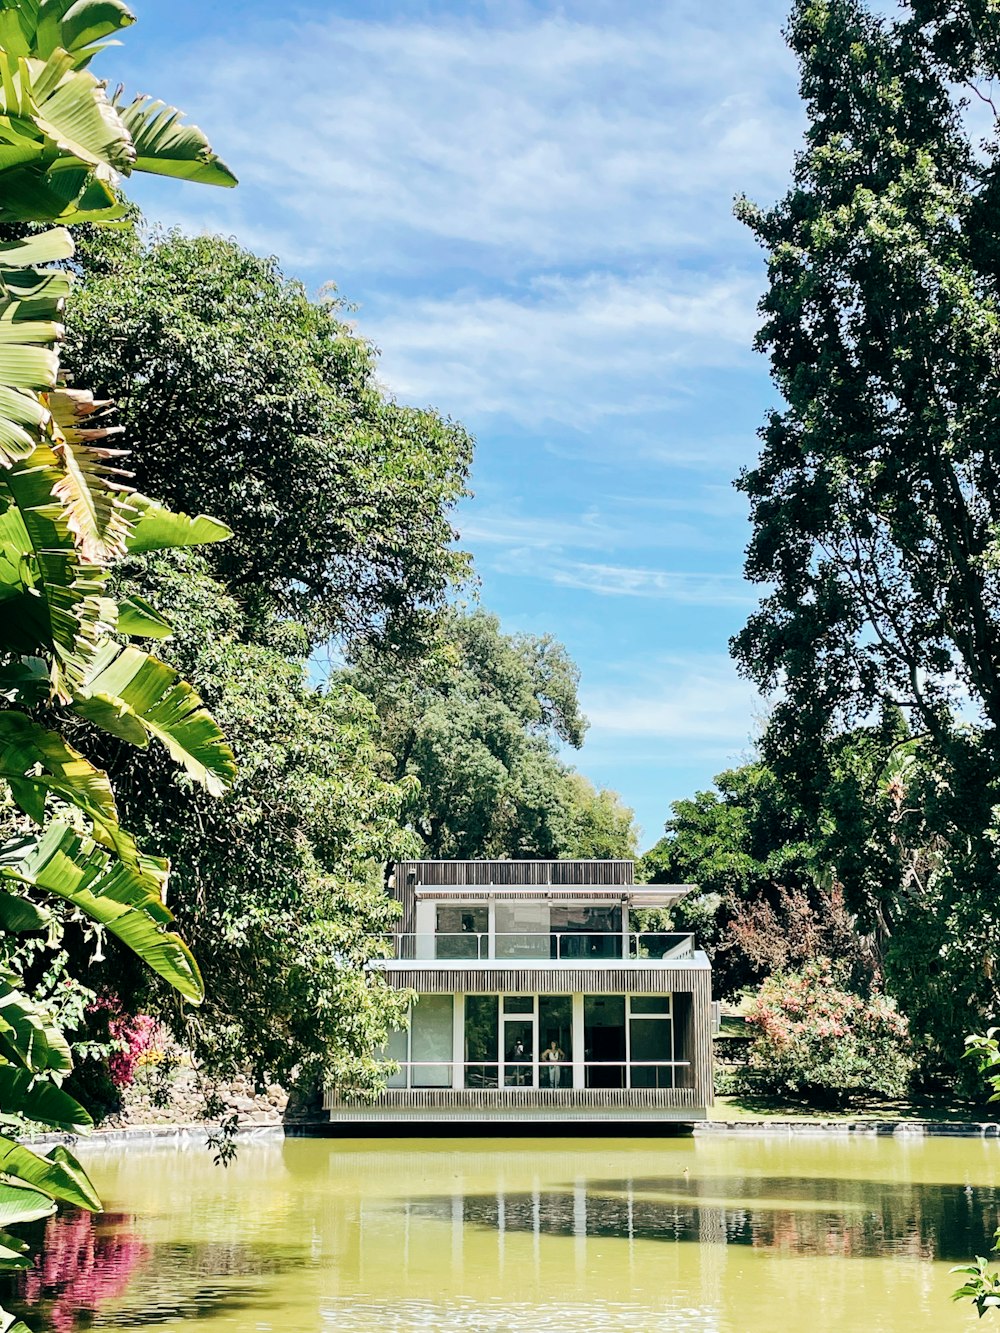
{"points": [[512, 978], [485, 1099]]}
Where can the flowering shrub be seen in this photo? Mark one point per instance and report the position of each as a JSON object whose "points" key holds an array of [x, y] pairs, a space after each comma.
{"points": [[814, 1039], [132, 1037]]}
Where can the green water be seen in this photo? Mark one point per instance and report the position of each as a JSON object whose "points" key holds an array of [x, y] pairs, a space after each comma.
{"points": [[709, 1235]]}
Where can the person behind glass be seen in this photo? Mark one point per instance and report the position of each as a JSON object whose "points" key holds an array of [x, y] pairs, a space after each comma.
{"points": [[551, 1057]]}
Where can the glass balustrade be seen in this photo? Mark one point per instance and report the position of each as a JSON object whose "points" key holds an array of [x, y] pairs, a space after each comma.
{"points": [[570, 946]]}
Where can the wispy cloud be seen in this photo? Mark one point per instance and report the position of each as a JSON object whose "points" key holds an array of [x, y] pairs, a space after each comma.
{"points": [[539, 136], [679, 586], [698, 701], [574, 350]]}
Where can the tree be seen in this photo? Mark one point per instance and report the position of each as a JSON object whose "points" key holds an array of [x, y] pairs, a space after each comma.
{"points": [[475, 724], [250, 401], [65, 520], [277, 886], [875, 501], [598, 825]]}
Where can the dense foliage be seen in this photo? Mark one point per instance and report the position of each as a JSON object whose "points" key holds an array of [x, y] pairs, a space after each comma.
{"points": [[874, 507], [246, 399], [278, 886], [67, 660], [816, 1039], [476, 724]]}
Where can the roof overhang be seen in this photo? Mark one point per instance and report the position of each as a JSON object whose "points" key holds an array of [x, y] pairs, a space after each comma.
{"points": [[634, 895]]}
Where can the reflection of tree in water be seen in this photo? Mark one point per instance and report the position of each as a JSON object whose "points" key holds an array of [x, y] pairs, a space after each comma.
{"points": [[84, 1261], [91, 1272], [864, 1219]]}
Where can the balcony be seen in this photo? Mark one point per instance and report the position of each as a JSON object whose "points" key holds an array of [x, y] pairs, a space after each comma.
{"points": [[598, 946]]}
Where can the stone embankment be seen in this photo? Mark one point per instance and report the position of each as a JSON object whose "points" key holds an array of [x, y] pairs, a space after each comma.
{"points": [[181, 1101]]}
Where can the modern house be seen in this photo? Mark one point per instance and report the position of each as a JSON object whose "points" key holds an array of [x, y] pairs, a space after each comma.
{"points": [[540, 997]]}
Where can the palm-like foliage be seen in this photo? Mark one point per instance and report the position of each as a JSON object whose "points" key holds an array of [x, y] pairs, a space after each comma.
{"points": [[66, 516]]}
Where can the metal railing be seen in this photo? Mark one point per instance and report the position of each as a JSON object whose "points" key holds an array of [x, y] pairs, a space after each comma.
{"points": [[556, 1077], [560, 945]]}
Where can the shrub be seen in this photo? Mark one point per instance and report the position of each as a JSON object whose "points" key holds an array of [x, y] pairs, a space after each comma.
{"points": [[817, 1040]]}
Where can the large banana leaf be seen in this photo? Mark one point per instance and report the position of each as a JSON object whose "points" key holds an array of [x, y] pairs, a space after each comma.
{"points": [[127, 901], [58, 1174], [156, 528], [167, 707], [18, 1203], [27, 1036], [30, 304], [36, 762], [25, 1094], [137, 618], [166, 147], [94, 501]]}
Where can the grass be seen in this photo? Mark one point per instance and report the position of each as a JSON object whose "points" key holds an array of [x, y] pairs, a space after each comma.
{"points": [[751, 1106]]}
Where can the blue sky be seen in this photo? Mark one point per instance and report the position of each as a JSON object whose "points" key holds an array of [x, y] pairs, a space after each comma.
{"points": [[530, 204]]}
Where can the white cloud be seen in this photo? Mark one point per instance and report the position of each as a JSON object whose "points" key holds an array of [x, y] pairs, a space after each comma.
{"points": [[679, 586], [699, 704], [571, 350], [538, 137]]}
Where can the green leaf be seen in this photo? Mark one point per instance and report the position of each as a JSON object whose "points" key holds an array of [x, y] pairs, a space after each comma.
{"points": [[20, 1204], [20, 914], [57, 1173], [166, 147], [112, 716], [157, 528], [127, 901], [137, 618], [47, 247], [23, 1093], [27, 1035], [168, 708]]}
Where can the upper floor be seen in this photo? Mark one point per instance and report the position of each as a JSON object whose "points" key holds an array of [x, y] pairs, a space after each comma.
{"points": [[573, 911]]}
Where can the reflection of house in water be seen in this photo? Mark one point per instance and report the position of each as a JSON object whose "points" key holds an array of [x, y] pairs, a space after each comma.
{"points": [[542, 998]]}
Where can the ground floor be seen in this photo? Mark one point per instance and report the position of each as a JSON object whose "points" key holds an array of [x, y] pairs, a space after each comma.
{"points": [[552, 1043]]}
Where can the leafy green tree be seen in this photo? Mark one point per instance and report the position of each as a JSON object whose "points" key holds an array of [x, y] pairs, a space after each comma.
{"points": [[66, 655], [246, 399], [476, 723], [875, 501], [597, 824], [278, 886]]}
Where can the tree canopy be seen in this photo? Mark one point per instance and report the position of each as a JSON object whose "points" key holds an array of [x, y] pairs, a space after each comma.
{"points": [[477, 722], [244, 398]]}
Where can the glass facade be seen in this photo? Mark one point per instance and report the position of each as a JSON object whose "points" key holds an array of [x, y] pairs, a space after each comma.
{"points": [[534, 1041], [431, 1040], [462, 930]]}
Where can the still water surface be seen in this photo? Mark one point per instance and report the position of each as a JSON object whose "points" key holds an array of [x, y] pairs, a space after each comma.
{"points": [[709, 1235]]}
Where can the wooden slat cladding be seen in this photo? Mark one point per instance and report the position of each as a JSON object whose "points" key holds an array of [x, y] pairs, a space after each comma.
{"points": [[512, 1099], [517, 978], [502, 873]]}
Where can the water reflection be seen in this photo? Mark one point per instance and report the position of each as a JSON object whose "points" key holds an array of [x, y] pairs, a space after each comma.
{"points": [[87, 1264], [498, 1236], [863, 1219]]}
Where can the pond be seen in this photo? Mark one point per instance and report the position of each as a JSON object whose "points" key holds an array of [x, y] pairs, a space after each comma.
{"points": [[705, 1235]]}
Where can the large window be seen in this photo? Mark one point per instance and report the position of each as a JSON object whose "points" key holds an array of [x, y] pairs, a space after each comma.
{"points": [[555, 1041], [650, 1042], [431, 1040], [482, 1040], [628, 1041], [586, 931], [462, 930], [522, 930]]}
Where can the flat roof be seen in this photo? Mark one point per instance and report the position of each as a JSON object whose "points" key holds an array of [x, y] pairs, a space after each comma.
{"points": [[638, 895]]}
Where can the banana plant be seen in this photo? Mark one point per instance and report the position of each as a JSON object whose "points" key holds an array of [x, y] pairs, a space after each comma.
{"points": [[69, 651]]}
